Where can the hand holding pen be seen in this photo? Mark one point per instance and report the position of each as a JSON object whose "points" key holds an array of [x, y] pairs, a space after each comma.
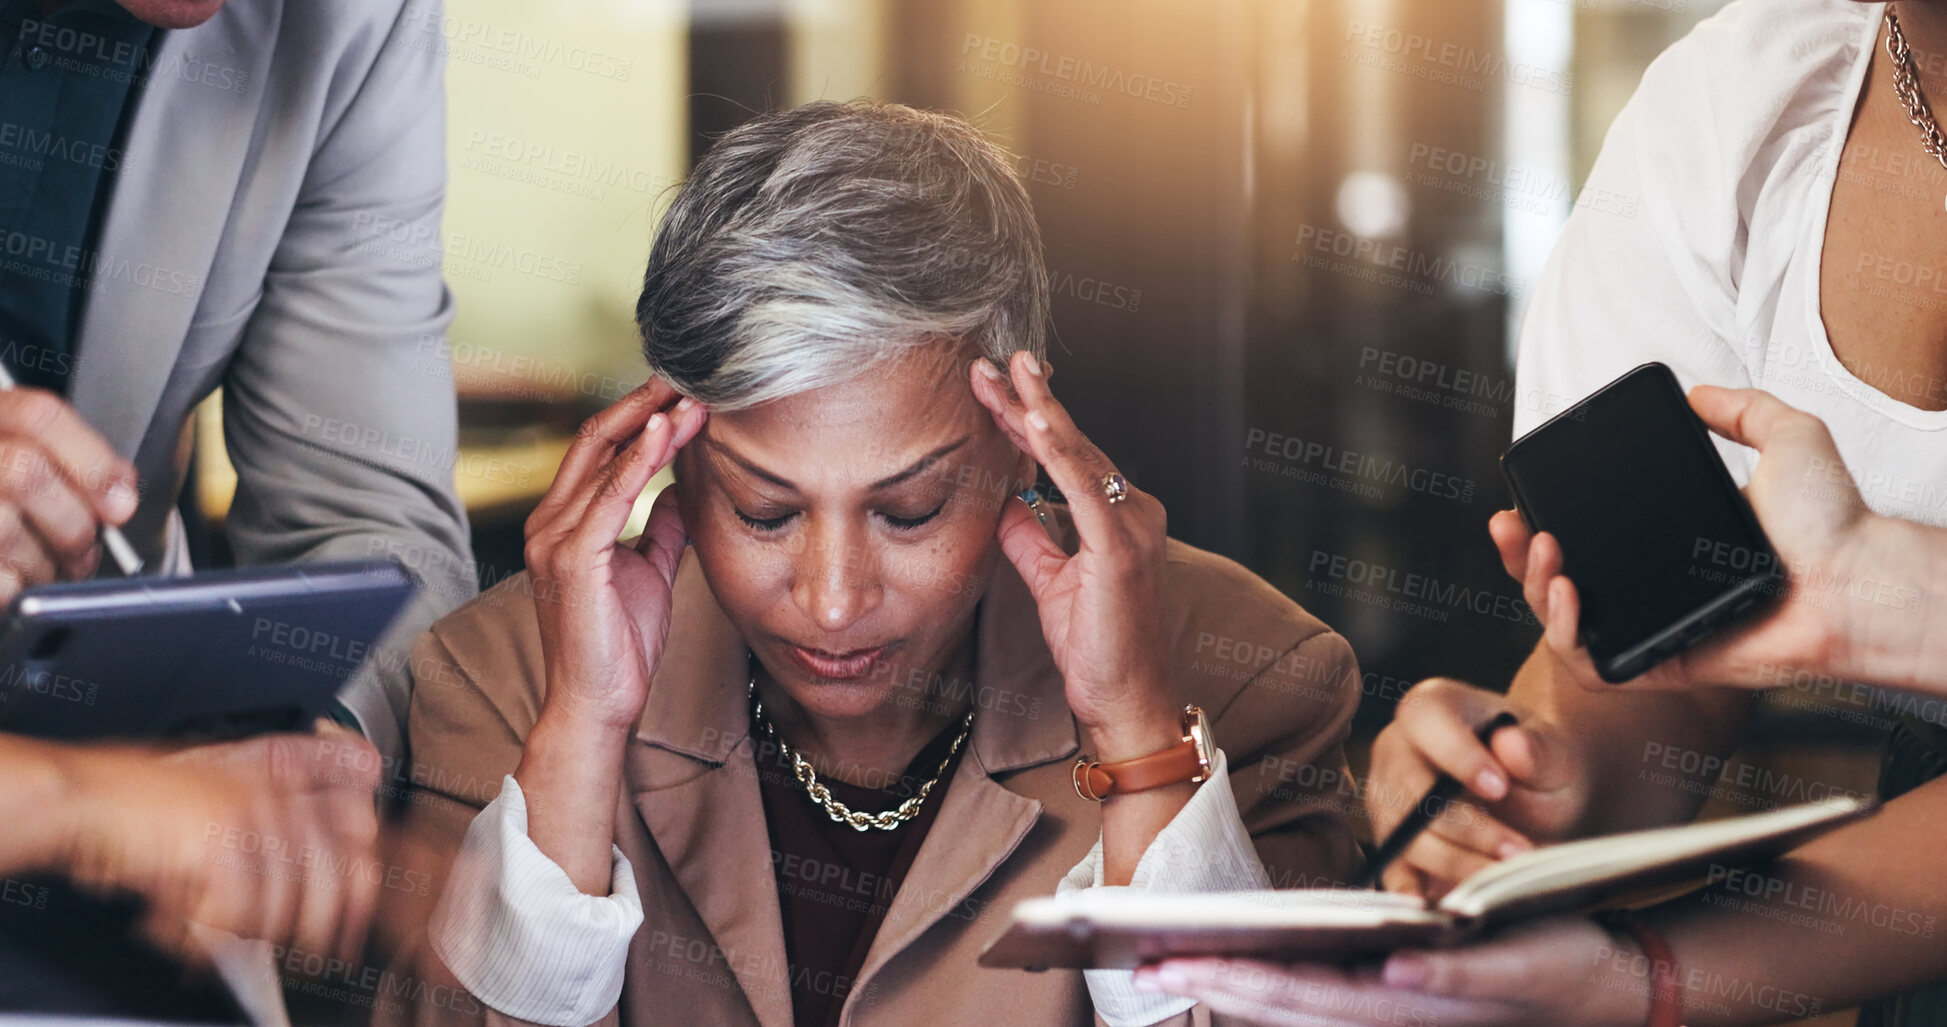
{"points": [[1445, 788], [1524, 785], [62, 486]]}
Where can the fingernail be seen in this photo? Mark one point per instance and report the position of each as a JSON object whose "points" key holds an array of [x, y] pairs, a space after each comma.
{"points": [[1405, 972], [122, 500], [1490, 783], [1146, 982], [987, 368], [656, 422], [1171, 979], [1039, 422], [1034, 366], [1512, 847], [683, 405]]}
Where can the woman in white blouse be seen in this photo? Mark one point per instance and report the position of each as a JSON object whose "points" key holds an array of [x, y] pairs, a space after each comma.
{"points": [[789, 757], [1789, 235]]}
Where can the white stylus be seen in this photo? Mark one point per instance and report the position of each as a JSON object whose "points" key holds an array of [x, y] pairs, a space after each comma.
{"points": [[111, 536]]}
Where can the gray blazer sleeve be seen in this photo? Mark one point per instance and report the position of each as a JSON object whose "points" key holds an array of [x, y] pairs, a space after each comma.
{"points": [[338, 408]]}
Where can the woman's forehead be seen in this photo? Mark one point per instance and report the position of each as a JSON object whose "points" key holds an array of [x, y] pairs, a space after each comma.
{"points": [[904, 390], [864, 430], [804, 464]]}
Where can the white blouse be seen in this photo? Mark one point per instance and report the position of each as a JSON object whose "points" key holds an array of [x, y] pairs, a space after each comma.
{"points": [[1731, 146]]}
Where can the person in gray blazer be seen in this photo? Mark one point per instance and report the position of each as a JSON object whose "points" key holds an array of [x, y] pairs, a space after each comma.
{"points": [[197, 194]]}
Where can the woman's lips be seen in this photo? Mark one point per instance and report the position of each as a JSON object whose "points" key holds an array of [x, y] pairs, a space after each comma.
{"points": [[849, 666]]}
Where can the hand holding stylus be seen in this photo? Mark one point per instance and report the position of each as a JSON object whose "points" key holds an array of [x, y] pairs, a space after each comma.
{"points": [[62, 486]]}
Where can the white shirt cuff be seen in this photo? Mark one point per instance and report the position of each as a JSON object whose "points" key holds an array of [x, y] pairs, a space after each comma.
{"points": [[1204, 848], [520, 936]]}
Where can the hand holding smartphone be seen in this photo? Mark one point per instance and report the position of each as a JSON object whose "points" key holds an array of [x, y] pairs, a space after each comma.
{"points": [[1662, 547]]}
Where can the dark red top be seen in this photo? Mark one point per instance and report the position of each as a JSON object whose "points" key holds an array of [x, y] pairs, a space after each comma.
{"points": [[835, 883]]}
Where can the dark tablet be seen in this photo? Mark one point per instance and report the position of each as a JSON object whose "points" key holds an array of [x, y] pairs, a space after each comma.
{"points": [[217, 655]]}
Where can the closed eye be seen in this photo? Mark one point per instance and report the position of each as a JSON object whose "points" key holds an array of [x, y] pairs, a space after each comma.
{"points": [[764, 524], [770, 524], [909, 523]]}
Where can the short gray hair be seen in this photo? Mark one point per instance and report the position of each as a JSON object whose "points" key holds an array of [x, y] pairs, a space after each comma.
{"points": [[811, 243]]}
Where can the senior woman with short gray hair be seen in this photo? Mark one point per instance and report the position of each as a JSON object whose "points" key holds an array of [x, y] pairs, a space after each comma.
{"points": [[790, 756]]}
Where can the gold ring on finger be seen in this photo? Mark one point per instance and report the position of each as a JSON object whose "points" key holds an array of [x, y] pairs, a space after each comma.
{"points": [[1115, 486]]}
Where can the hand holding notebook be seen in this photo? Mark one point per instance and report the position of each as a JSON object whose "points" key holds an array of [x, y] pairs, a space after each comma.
{"points": [[1097, 928]]}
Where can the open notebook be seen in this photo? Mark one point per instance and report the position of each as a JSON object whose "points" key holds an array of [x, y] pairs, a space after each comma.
{"points": [[1122, 928]]}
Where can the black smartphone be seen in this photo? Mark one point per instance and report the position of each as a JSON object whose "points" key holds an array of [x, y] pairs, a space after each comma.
{"points": [[1661, 545]]}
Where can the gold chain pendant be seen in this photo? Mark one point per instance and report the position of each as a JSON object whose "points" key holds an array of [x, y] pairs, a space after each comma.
{"points": [[839, 812], [1906, 85]]}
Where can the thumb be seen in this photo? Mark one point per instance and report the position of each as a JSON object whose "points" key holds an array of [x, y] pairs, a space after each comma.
{"points": [[1536, 756], [1028, 546], [663, 534], [1750, 417]]}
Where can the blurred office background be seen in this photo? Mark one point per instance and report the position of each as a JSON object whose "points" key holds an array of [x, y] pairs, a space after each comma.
{"points": [[1290, 241], [1264, 219]]}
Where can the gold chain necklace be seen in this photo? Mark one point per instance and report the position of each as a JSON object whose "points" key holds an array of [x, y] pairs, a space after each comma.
{"points": [[1906, 84], [838, 811]]}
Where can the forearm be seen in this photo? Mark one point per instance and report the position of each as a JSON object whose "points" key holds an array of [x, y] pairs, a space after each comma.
{"points": [[1131, 822], [571, 774], [1897, 598], [35, 804], [1846, 918], [1620, 734]]}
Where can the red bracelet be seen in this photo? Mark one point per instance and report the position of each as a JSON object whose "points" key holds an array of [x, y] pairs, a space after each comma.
{"points": [[1666, 995]]}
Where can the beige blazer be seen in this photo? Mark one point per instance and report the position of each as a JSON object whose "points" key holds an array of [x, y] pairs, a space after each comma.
{"points": [[1280, 686]]}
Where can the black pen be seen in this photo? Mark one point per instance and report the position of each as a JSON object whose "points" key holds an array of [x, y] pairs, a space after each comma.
{"points": [[1445, 788]]}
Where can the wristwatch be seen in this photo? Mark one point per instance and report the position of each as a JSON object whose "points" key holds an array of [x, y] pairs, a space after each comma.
{"points": [[1187, 760]]}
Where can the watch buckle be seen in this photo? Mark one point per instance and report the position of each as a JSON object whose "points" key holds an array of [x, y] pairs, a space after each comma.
{"points": [[1080, 774]]}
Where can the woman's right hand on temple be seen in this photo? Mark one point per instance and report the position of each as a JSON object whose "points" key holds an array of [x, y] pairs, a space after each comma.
{"points": [[1523, 789], [604, 607]]}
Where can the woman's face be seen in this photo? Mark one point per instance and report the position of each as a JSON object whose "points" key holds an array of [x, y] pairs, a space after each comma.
{"points": [[848, 532]]}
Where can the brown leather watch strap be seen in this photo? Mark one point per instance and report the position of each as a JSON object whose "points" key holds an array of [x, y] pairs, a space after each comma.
{"points": [[1188, 761], [1175, 764]]}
